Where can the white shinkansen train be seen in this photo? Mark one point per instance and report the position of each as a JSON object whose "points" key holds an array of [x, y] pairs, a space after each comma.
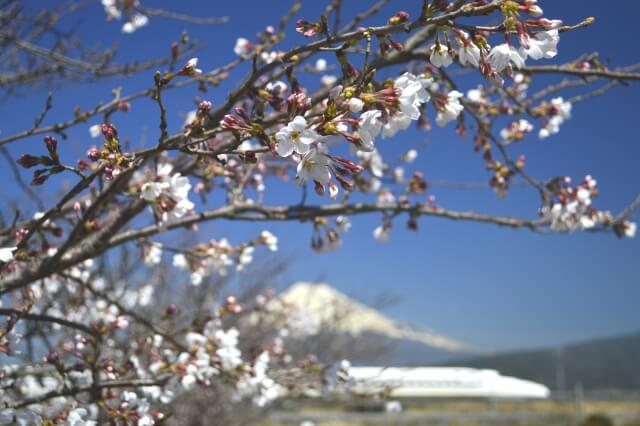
{"points": [[443, 382]]}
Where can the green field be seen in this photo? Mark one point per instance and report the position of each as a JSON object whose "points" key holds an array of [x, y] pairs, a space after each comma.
{"points": [[434, 412]]}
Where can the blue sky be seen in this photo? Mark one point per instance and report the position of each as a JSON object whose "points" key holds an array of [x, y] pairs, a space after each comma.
{"points": [[490, 287]]}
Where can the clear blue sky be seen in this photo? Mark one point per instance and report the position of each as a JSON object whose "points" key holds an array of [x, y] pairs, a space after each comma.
{"points": [[490, 287]]}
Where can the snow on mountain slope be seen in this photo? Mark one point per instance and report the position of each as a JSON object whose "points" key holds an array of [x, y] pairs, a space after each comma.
{"points": [[326, 305]]}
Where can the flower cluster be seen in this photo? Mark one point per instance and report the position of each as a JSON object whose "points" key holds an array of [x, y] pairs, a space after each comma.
{"points": [[412, 94], [166, 366], [516, 131], [217, 257], [168, 194], [557, 111], [573, 210], [327, 235], [296, 136], [115, 9], [111, 155]]}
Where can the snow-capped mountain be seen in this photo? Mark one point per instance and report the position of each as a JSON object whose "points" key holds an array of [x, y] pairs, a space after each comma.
{"points": [[323, 306]]}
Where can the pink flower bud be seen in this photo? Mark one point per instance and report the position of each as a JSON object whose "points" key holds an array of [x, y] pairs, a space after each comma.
{"points": [[108, 131], [27, 161], [51, 143], [39, 179], [399, 18], [93, 154]]}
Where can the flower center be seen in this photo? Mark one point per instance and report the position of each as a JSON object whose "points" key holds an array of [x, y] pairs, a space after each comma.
{"points": [[295, 136], [308, 164]]}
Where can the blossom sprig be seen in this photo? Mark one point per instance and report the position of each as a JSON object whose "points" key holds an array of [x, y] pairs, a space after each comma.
{"points": [[51, 162], [320, 167], [196, 125], [469, 53], [448, 106], [516, 131], [242, 125], [189, 69], [296, 136], [387, 43], [275, 94], [399, 18], [554, 113], [310, 29], [167, 193], [115, 10], [243, 47], [218, 256], [111, 155], [502, 174], [571, 208], [327, 234]]}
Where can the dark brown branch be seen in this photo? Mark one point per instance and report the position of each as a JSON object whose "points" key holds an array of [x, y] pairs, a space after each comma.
{"points": [[182, 17], [132, 383], [303, 213], [48, 318], [563, 69]]}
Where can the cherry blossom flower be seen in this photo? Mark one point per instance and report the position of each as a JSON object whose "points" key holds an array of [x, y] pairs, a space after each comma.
{"points": [[10, 416], [413, 93], [355, 105], [503, 54], [477, 95], [269, 57], [258, 385], [548, 24], [559, 111], [270, 240], [79, 417], [516, 131], [450, 109], [373, 161], [111, 9], [242, 47], [308, 29], [6, 254], [228, 351], [440, 56], [532, 8], [137, 21], [572, 211], [395, 124], [410, 156], [328, 80], [542, 45], [629, 229], [295, 137], [469, 53], [153, 254], [189, 69], [381, 233], [368, 129], [95, 131], [168, 194], [321, 65], [245, 258], [315, 166]]}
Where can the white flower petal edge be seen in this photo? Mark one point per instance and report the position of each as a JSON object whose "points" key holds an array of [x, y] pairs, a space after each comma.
{"points": [[6, 254], [295, 136]]}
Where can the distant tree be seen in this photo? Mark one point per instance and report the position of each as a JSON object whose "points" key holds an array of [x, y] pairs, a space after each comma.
{"points": [[597, 420], [95, 331]]}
